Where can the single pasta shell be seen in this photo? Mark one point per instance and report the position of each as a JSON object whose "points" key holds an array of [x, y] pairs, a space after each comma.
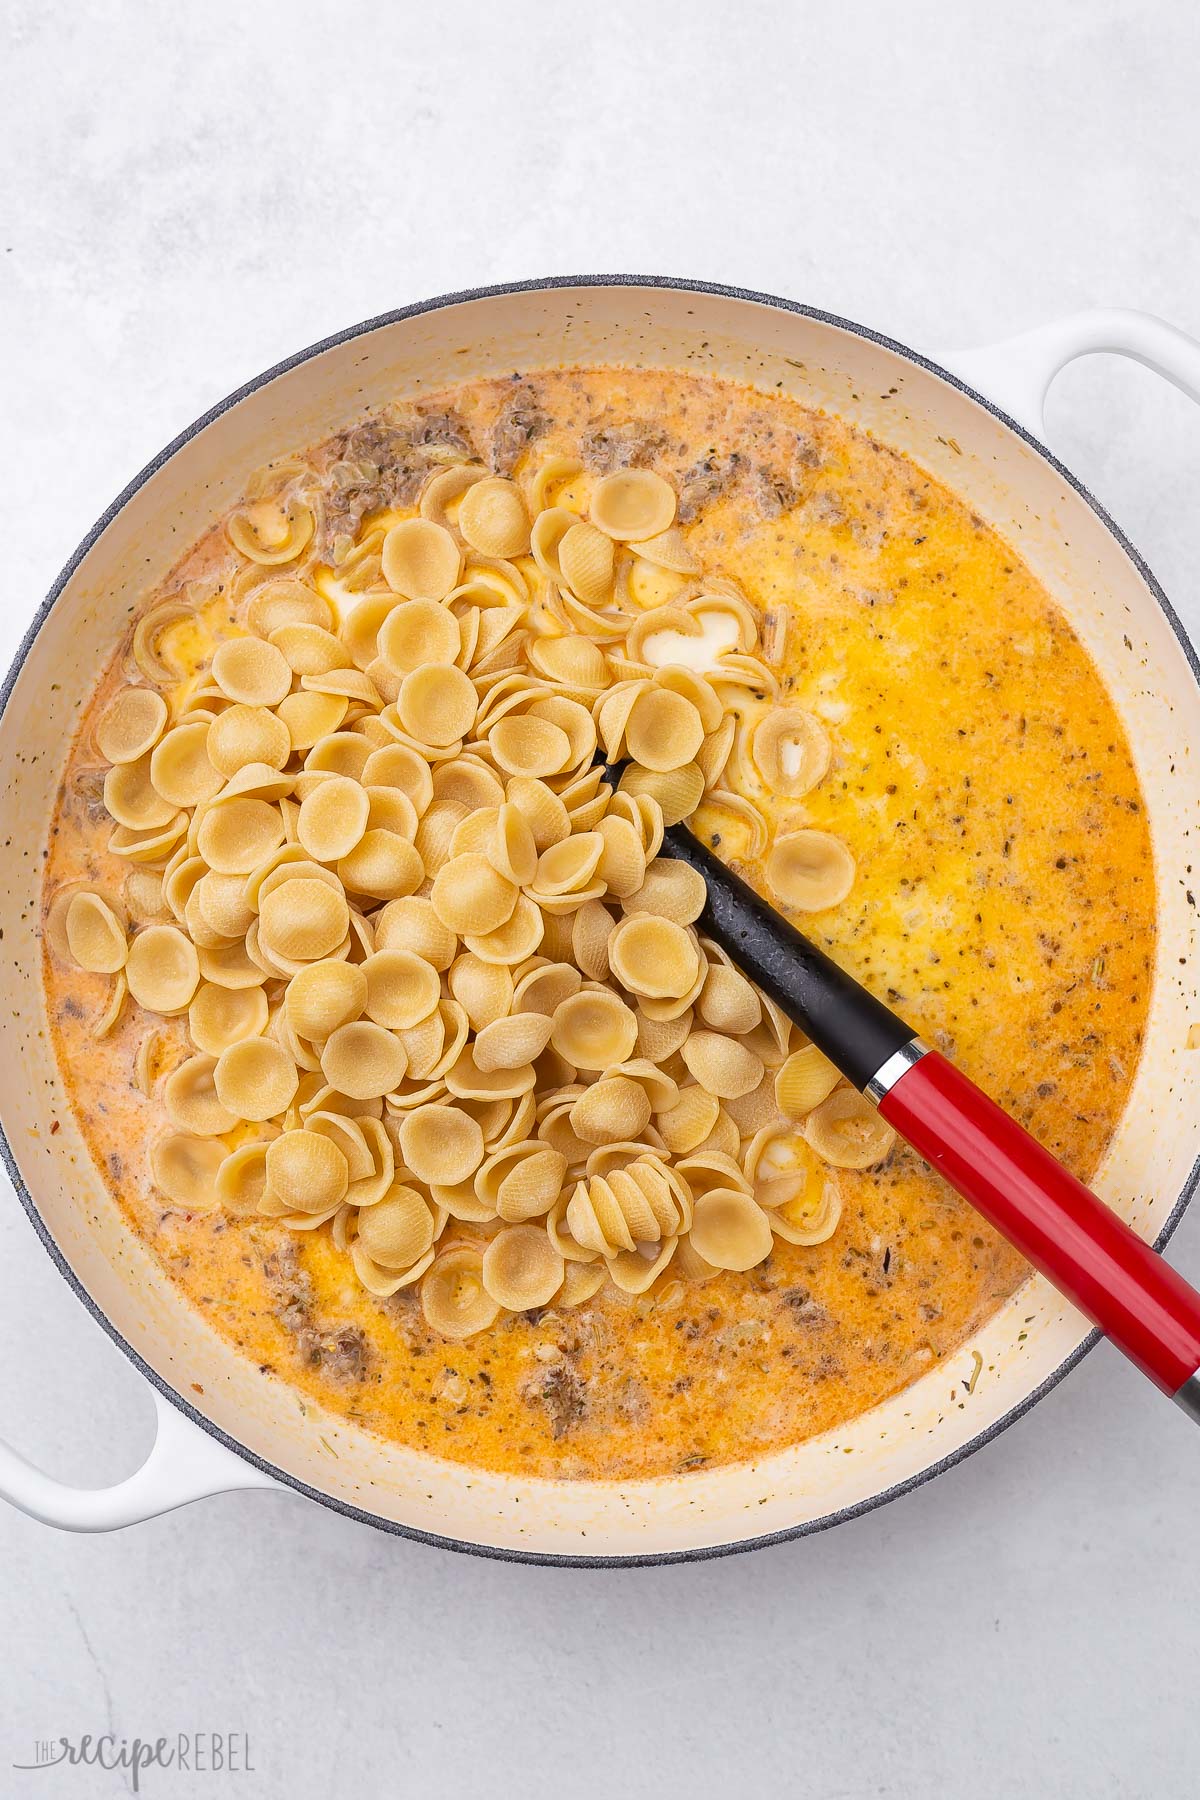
{"points": [[580, 1283], [653, 957], [568, 867], [303, 920], [810, 870], [323, 997], [469, 896], [219, 1017], [514, 941], [513, 852], [804, 1081], [412, 924], [398, 766], [306, 1171], [132, 798], [730, 1230], [399, 1230], [242, 1180], [848, 1132], [184, 1169], [492, 518], [444, 488], [633, 505], [721, 1065], [684, 1126], [512, 1042], [591, 929], [283, 602], [484, 990], [190, 1099], [422, 631], [530, 747], [340, 753], [421, 560], [669, 549], [574, 660], [364, 1060], [95, 935], [248, 670], [131, 724], [467, 782], [307, 650], [585, 560], [311, 717], [791, 751], [383, 865], [441, 1144], [332, 818], [531, 1177], [521, 1268], [548, 818], [543, 988], [437, 704], [622, 865], [236, 836], [453, 1298], [613, 1110], [222, 904], [660, 1039], [671, 890], [549, 528], [812, 1215], [402, 988], [728, 1002], [247, 734], [594, 1029], [467, 1081], [231, 966], [271, 532], [255, 1079], [162, 969], [664, 730]]}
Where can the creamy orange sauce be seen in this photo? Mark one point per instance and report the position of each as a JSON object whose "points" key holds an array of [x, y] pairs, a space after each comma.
{"points": [[1004, 904]]}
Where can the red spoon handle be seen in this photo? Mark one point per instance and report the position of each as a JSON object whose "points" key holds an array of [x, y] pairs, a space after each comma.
{"points": [[1091, 1255]]}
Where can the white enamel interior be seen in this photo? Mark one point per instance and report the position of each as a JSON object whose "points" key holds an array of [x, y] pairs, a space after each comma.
{"points": [[1013, 486]]}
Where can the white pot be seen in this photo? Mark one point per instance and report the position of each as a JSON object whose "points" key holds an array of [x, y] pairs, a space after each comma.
{"points": [[245, 1430]]}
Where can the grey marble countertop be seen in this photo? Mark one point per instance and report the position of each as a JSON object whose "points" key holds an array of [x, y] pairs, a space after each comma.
{"points": [[187, 196]]}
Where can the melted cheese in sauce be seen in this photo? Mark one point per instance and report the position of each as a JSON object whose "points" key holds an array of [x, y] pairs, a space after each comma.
{"points": [[1004, 904]]}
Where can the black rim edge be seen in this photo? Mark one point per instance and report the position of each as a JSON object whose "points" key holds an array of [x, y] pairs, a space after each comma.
{"points": [[500, 1553]]}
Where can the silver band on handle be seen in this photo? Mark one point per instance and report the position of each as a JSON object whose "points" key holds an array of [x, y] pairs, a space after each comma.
{"points": [[885, 1078], [1188, 1397]]}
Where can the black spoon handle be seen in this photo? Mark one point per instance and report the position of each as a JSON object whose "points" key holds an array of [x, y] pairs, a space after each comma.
{"points": [[854, 1029]]}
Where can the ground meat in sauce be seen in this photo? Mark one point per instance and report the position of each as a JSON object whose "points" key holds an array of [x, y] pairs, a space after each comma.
{"points": [[518, 423], [340, 1351], [706, 481], [633, 444], [560, 1392], [385, 462]]}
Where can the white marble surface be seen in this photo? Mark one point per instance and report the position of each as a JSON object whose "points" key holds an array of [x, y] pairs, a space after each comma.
{"points": [[190, 193]]}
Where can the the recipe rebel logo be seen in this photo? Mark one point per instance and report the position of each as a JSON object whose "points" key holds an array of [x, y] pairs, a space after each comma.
{"points": [[193, 1752]]}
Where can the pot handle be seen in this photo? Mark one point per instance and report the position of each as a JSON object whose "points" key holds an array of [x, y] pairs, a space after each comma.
{"points": [[1017, 373], [184, 1464]]}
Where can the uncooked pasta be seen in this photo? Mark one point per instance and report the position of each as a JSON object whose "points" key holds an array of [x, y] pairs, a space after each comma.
{"points": [[370, 815]]}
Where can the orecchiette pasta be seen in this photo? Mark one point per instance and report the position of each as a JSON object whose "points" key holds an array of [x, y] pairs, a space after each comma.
{"points": [[436, 990]]}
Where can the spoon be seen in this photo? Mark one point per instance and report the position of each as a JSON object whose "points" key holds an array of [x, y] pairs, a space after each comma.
{"points": [[1136, 1298]]}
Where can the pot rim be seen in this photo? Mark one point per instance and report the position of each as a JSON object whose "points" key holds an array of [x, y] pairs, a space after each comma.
{"points": [[702, 1553]]}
